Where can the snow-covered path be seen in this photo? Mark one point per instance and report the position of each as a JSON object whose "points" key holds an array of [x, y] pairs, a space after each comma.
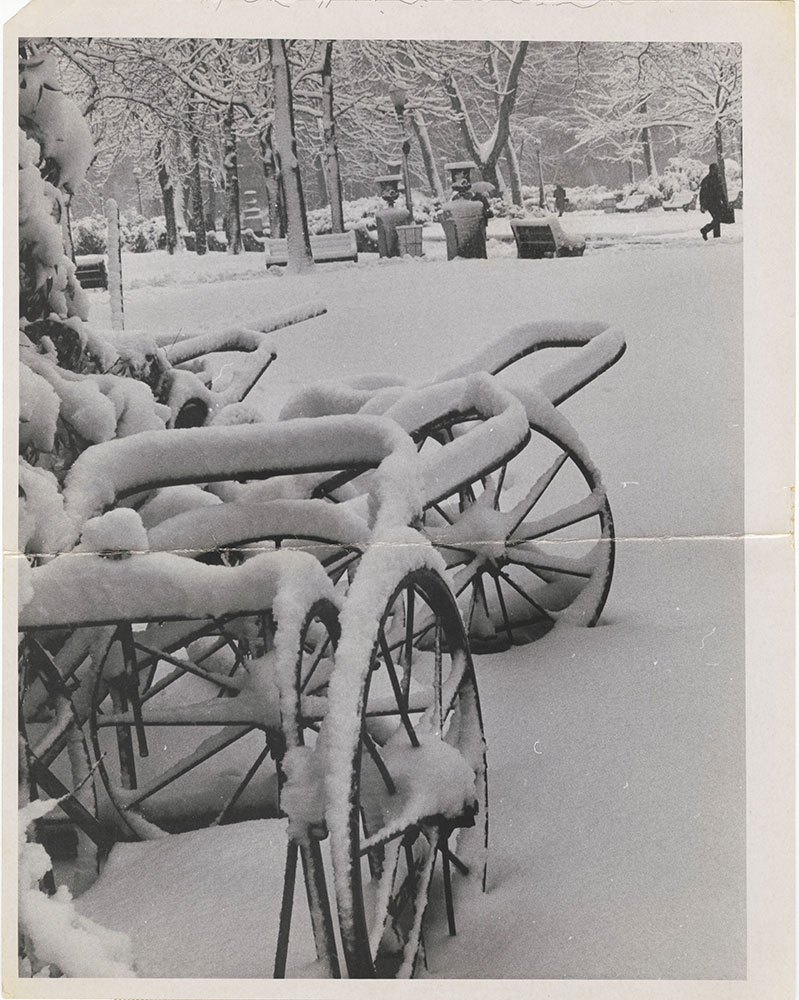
{"points": [[616, 754]]}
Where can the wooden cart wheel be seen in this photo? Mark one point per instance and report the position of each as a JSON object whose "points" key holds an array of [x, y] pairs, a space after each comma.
{"points": [[528, 545], [179, 726], [55, 763], [416, 780]]}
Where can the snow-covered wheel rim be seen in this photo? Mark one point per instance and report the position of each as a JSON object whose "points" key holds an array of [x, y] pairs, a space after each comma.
{"points": [[303, 710], [186, 720], [528, 546], [416, 776]]}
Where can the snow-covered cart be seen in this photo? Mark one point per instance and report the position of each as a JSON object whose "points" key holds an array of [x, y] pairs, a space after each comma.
{"points": [[213, 693], [266, 621]]}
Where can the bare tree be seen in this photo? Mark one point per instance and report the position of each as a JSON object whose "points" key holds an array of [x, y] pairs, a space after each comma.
{"points": [[486, 154], [285, 149]]}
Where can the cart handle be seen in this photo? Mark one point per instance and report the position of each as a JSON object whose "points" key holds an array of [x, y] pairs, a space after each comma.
{"points": [[106, 473], [500, 432], [602, 347]]}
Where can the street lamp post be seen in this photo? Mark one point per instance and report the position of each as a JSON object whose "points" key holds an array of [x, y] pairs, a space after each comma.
{"points": [[137, 174], [541, 199], [399, 98]]}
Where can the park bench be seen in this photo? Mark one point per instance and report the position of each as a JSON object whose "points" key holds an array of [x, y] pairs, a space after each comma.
{"points": [[326, 249], [536, 238], [633, 203], [685, 200], [91, 271]]}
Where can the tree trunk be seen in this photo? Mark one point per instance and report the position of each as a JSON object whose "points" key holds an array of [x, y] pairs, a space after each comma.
{"points": [[720, 156], [631, 169], [331, 160], [210, 216], [274, 198], [428, 157], [196, 196], [66, 227], [232, 192], [514, 173], [288, 166], [168, 196], [646, 143]]}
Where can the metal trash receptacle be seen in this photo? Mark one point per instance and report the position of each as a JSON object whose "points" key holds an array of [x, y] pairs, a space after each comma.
{"points": [[410, 240]]}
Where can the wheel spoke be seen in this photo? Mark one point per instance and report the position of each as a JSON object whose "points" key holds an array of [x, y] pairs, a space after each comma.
{"points": [[379, 763], [588, 507], [503, 609], [315, 664], [545, 565], [395, 684], [454, 859], [448, 902], [189, 667], [500, 484], [234, 798], [286, 909], [209, 748], [538, 607], [407, 652], [132, 685], [440, 510], [525, 505]]}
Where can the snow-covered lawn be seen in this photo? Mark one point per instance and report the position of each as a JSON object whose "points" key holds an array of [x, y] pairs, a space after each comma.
{"points": [[616, 754]]}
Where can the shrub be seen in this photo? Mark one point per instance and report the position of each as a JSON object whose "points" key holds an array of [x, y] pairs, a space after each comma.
{"points": [[89, 235]]}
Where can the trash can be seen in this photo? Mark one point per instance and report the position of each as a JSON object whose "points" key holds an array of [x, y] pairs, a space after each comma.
{"points": [[388, 220], [465, 229], [410, 241]]}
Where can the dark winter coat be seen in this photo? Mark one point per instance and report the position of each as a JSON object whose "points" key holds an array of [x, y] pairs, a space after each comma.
{"points": [[711, 194], [560, 198]]}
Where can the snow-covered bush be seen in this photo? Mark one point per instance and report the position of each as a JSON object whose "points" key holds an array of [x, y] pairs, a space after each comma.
{"points": [[588, 199], [650, 187], [55, 150], [89, 235], [71, 392], [141, 235], [682, 173], [52, 120], [362, 211], [137, 233], [47, 282]]}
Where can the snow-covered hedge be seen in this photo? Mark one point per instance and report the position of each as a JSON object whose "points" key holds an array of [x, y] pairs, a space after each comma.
{"points": [[586, 199], [682, 173], [650, 187], [138, 234], [361, 212]]}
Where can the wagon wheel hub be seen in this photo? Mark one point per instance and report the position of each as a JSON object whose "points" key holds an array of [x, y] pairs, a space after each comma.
{"points": [[479, 532]]}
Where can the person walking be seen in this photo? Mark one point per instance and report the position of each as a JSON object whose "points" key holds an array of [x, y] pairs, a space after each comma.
{"points": [[560, 199], [712, 199]]}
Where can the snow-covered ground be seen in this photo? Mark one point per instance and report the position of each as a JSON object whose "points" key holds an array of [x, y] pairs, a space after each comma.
{"points": [[616, 754]]}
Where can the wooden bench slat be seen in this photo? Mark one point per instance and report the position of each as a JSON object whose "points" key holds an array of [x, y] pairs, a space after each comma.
{"points": [[327, 248], [545, 238], [91, 271]]}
